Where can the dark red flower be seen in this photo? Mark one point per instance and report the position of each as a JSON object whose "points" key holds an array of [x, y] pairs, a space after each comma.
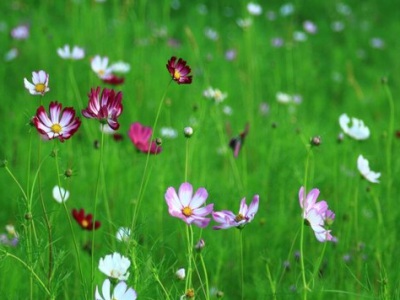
{"points": [[113, 79], [179, 70], [85, 221], [106, 107], [140, 136], [237, 142]]}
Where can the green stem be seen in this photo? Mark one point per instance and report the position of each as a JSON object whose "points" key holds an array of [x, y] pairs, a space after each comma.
{"points": [[189, 237], [389, 140], [271, 282], [241, 264], [318, 265], [207, 288], [55, 151]]}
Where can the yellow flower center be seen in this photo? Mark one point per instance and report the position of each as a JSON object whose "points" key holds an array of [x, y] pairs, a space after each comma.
{"points": [[40, 87], [56, 128], [239, 218], [85, 223], [177, 74], [187, 211], [101, 72]]}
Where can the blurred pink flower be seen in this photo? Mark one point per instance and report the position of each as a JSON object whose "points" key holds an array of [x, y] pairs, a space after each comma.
{"points": [[189, 208], [316, 214], [228, 219], [140, 136], [20, 32]]}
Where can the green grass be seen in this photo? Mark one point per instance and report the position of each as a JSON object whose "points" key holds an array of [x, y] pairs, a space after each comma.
{"points": [[272, 162]]}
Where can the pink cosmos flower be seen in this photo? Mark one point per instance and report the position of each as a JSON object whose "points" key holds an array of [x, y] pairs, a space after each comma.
{"points": [[189, 208], [316, 214], [106, 107], [179, 70], [60, 124], [40, 83], [21, 32], [228, 219], [140, 136]]}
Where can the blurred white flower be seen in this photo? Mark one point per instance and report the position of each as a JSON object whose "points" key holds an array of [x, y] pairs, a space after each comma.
{"points": [[181, 274], [120, 67], [286, 9], [210, 33], [59, 194], [21, 32], [310, 27], [168, 132], [227, 110], [337, 26], [115, 266], [377, 43], [215, 94], [363, 167], [299, 36], [75, 54], [100, 66], [254, 8], [11, 54], [123, 234], [283, 98], [357, 131], [343, 9], [243, 23]]}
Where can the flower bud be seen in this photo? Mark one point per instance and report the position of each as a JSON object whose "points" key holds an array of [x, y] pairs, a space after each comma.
{"points": [[188, 131], [181, 274], [158, 141]]}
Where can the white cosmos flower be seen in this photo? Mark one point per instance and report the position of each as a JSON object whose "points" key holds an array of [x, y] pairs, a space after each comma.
{"points": [[100, 66], [123, 234], [357, 131], [215, 94], [180, 274], [254, 9], [168, 132], [40, 83], [66, 53], [59, 194], [121, 292], [363, 167], [115, 266], [120, 67]]}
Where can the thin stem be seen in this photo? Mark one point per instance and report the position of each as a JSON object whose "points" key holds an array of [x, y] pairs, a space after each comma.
{"points": [[389, 139], [18, 184], [271, 282], [241, 264], [96, 200], [161, 284], [189, 238], [30, 269], [203, 265], [318, 265], [55, 151]]}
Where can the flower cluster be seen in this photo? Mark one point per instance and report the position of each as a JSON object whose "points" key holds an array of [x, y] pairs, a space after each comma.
{"points": [[317, 214]]}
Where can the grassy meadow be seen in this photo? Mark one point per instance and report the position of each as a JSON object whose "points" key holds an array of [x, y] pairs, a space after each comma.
{"points": [[289, 82]]}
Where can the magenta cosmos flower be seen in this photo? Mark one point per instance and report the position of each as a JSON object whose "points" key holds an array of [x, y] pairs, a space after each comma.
{"points": [[140, 136], [189, 208], [228, 219], [316, 214], [105, 107], [179, 70], [59, 124]]}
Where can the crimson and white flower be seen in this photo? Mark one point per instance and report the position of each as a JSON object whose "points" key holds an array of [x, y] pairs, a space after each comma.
{"points": [[59, 194], [357, 131], [106, 107], [61, 124], [363, 167], [75, 54], [121, 292], [316, 214], [188, 207], [228, 219], [115, 266], [40, 83]]}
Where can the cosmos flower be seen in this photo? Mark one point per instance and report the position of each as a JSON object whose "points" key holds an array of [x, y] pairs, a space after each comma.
{"points": [[310, 27], [100, 66], [60, 124], [121, 292], [59, 194], [179, 70], [140, 136], [357, 131], [363, 167], [215, 94], [237, 142], [189, 208], [106, 107], [254, 8], [228, 219], [115, 266], [85, 221], [123, 234], [75, 54], [40, 83], [316, 214], [21, 32]]}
